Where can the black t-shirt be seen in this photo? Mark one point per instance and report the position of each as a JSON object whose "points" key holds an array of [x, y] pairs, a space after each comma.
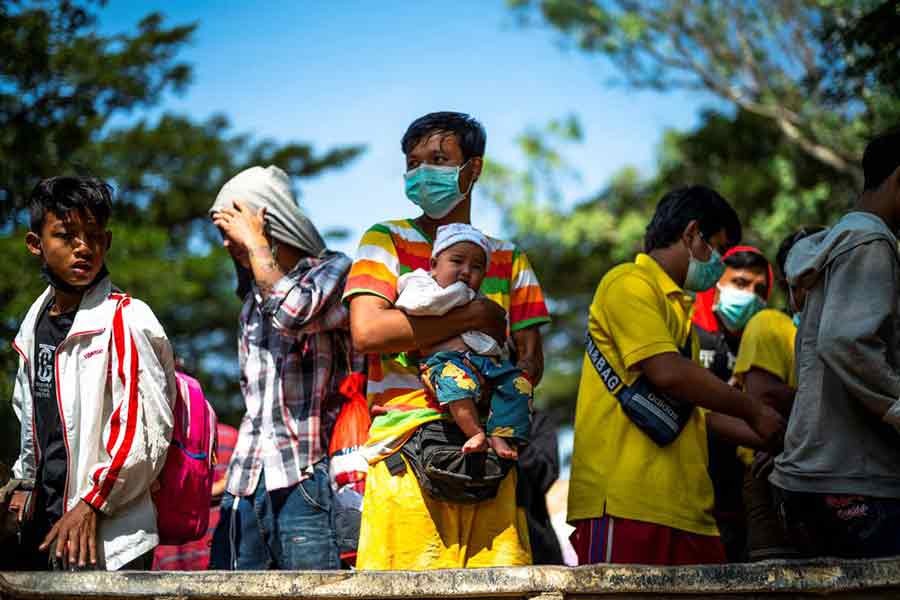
{"points": [[717, 353], [52, 471]]}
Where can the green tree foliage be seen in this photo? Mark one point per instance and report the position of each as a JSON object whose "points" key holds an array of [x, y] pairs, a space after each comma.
{"points": [[772, 183], [808, 82], [770, 59], [66, 90], [862, 47]]}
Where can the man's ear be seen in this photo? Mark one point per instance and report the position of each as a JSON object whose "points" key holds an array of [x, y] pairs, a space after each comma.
{"points": [[894, 183], [33, 242], [477, 166], [690, 232]]}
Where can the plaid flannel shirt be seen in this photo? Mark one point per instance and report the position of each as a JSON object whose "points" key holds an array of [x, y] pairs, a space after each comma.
{"points": [[294, 350]]}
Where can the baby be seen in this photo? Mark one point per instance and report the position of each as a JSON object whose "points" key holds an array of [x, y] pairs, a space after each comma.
{"points": [[457, 370]]}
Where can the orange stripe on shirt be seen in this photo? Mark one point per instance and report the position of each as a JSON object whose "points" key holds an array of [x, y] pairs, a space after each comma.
{"points": [[360, 284]]}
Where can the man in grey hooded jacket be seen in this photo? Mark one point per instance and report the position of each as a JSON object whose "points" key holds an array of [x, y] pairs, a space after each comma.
{"points": [[838, 479]]}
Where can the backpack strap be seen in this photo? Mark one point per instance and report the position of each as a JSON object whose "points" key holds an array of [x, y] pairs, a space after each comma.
{"points": [[199, 430]]}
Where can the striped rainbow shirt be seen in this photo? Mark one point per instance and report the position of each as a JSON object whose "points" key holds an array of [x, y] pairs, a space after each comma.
{"points": [[390, 249]]}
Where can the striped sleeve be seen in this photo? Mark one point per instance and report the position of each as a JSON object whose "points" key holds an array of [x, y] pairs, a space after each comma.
{"points": [[137, 432], [526, 307], [377, 266]]}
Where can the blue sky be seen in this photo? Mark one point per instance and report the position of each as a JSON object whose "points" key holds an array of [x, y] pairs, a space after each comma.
{"points": [[342, 72]]}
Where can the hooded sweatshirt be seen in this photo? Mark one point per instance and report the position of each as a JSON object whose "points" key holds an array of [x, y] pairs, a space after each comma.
{"points": [[839, 440]]}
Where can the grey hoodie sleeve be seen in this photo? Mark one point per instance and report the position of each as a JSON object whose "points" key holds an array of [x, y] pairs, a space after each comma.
{"points": [[857, 317]]}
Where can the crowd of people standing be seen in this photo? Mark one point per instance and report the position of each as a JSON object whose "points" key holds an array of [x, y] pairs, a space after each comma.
{"points": [[709, 426]]}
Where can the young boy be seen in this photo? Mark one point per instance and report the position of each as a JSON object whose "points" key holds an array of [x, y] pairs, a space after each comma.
{"points": [[93, 392], [454, 369]]}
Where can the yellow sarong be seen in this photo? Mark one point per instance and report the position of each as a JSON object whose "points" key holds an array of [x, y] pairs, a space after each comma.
{"points": [[404, 529]]}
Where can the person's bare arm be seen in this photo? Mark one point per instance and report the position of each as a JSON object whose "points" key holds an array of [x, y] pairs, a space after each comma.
{"points": [[530, 352], [218, 489], [244, 227], [734, 430], [770, 389], [376, 326], [685, 380]]}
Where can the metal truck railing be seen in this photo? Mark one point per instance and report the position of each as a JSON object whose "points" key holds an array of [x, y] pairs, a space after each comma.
{"points": [[857, 579]]}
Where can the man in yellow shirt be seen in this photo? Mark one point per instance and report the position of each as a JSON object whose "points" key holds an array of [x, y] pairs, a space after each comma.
{"points": [[639, 490]]}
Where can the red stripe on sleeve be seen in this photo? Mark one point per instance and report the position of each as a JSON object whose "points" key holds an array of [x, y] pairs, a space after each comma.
{"points": [[98, 495], [529, 310]]}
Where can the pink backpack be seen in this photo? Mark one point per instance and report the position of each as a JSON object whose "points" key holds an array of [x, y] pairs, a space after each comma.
{"points": [[185, 484]]}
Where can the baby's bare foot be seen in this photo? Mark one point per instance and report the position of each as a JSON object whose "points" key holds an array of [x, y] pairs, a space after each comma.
{"points": [[502, 448], [476, 443]]}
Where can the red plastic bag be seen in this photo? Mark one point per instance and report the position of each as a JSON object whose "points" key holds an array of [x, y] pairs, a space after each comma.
{"points": [[351, 429], [348, 466]]}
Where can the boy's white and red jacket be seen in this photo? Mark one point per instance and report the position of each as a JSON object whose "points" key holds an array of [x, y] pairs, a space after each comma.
{"points": [[115, 386]]}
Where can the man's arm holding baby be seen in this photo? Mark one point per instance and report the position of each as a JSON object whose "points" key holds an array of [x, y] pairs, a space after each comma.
{"points": [[377, 326], [530, 352]]}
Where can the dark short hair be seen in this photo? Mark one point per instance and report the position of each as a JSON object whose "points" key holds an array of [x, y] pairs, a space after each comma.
{"points": [[785, 247], [468, 131], [753, 261], [694, 203], [747, 260], [881, 158], [62, 194]]}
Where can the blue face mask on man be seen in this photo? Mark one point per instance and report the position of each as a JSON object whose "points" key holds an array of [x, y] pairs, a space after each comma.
{"points": [[435, 189], [736, 307], [702, 275]]}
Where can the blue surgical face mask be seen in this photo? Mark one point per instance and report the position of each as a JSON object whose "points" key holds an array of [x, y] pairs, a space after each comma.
{"points": [[736, 307], [435, 189], [702, 275]]}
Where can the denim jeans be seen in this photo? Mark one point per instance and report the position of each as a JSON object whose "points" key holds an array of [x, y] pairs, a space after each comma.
{"points": [[286, 529]]}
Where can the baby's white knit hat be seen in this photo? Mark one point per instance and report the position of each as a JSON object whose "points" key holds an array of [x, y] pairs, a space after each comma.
{"points": [[447, 235]]}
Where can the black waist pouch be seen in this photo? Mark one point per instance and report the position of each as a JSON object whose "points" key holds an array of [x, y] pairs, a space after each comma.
{"points": [[660, 417], [434, 453]]}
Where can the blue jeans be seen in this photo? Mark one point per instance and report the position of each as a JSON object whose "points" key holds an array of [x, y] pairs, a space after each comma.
{"points": [[286, 529]]}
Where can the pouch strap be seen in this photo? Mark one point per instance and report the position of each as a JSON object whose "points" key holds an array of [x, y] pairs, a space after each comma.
{"points": [[614, 383], [395, 464]]}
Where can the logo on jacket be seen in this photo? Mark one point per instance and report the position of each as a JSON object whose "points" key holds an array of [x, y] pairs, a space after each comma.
{"points": [[88, 355]]}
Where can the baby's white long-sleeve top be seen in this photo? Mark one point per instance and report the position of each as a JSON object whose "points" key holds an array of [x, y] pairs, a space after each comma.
{"points": [[421, 296]]}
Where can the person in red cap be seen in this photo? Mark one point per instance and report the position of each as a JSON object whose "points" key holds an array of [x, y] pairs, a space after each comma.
{"points": [[719, 319]]}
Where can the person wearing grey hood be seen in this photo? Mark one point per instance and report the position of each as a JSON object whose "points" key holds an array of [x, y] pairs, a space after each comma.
{"points": [[837, 482], [294, 350]]}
